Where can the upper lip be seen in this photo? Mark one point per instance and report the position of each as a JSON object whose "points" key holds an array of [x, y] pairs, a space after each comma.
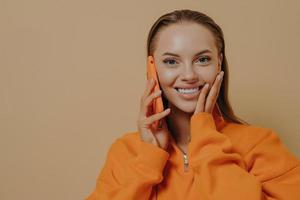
{"points": [[189, 87]]}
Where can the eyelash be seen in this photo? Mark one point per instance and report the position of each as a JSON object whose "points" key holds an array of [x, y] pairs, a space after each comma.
{"points": [[206, 57]]}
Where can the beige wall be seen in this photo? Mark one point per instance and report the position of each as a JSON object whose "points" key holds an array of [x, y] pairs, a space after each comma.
{"points": [[72, 73]]}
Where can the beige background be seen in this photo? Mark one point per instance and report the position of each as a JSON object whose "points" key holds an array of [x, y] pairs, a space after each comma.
{"points": [[72, 73]]}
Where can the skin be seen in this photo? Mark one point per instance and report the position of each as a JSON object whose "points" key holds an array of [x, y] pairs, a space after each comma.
{"points": [[186, 40]]}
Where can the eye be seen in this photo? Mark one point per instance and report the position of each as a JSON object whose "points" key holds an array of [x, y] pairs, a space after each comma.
{"points": [[166, 61], [204, 58]]}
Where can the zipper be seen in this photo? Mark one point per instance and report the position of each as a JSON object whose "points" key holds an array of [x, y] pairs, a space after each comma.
{"points": [[185, 166], [185, 157], [185, 162]]}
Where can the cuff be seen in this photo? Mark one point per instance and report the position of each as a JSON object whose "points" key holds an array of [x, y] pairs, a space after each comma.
{"points": [[202, 120], [153, 156]]}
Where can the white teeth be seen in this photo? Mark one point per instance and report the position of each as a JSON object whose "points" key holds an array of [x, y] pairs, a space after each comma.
{"points": [[188, 91]]}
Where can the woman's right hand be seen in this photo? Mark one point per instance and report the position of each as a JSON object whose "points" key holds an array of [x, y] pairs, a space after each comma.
{"points": [[159, 137]]}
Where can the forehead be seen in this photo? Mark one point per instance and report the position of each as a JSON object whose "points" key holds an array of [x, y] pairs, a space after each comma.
{"points": [[185, 39]]}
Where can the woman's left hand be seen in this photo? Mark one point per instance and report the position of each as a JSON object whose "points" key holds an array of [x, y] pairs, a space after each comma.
{"points": [[207, 104]]}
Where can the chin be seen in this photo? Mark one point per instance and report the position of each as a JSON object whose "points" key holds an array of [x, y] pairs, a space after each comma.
{"points": [[185, 106], [188, 109]]}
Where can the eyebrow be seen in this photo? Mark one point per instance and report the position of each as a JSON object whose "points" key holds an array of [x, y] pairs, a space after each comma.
{"points": [[199, 53]]}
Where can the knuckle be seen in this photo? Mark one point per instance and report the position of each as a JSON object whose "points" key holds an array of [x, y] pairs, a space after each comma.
{"points": [[152, 96], [150, 118]]}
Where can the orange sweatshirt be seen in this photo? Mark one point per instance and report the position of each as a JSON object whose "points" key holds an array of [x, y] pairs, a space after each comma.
{"points": [[225, 160]]}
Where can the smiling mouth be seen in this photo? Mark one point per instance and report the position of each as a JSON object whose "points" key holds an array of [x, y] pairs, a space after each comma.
{"points": [[189, 91]]}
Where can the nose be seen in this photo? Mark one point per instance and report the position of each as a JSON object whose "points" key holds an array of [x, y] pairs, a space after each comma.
{"points": [[189, 74]]}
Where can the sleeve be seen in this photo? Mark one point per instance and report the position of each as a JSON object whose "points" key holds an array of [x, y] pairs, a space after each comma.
{"points": [[267, 172], [125, 176]]}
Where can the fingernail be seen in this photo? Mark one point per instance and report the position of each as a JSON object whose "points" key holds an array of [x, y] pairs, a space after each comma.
{"points": [[220, 76], [206, 85]]}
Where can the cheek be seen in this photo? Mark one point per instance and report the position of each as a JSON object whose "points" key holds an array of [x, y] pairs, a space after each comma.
{"points": [[166, 78], [207, 74], [212, 79]]}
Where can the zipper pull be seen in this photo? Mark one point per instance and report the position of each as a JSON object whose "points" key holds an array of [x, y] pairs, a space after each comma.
{"points": [[185, 162]]}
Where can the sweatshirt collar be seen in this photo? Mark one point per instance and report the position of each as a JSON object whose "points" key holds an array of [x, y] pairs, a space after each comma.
{"points": [[176, 151]]}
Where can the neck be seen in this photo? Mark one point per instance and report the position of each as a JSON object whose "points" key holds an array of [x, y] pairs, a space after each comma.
{"points": [[179, 125]]}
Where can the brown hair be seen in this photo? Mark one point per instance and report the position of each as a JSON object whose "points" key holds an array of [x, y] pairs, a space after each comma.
{"points": [[185, 15]]}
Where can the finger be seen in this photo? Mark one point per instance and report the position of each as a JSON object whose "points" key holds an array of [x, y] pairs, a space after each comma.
{"points": [[213, 93], [149, 88], [201, 99], [158, 116], [148, 102]]}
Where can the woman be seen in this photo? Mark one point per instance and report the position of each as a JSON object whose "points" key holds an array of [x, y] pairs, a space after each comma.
{"points": [[202, 151]]}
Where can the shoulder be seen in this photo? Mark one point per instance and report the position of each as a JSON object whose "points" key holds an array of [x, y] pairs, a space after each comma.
{"points": [[118, 155], [246, 137], [125, 145], [261, 148]]}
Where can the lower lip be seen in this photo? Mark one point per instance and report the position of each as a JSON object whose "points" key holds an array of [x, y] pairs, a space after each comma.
{"points": [[189, 96]]}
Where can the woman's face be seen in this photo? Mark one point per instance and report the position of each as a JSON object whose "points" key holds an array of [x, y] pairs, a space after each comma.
{"points": [[186, 56]]}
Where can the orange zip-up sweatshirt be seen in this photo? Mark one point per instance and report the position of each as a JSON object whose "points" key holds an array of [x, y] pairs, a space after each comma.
{"points": [[225, 160]]}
